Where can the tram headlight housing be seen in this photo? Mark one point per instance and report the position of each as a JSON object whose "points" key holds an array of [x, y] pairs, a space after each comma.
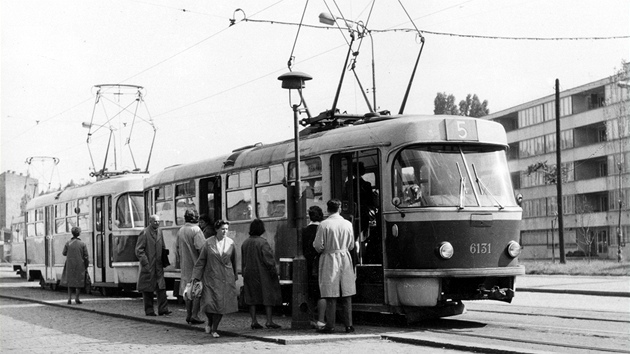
{"points": [[445, 250], [513, 249]]}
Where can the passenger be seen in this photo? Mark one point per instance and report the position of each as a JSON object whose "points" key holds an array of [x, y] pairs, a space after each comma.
{"points": [[260, 276], [316, 215], [190, 240], [75, 268], [151, 278], [334, 240], [216, 268], [205, 223]]}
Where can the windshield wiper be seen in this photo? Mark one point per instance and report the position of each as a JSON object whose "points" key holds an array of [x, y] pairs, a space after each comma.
{"points": [[462, 187], [482, 187]]}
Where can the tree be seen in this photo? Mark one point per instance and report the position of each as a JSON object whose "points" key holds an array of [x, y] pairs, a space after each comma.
{"points": [[550, 174], [445, 104], [583, 215], [472, 107]]}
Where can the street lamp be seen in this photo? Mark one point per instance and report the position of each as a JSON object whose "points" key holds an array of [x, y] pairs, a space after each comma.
{"points": [[299, 318]]}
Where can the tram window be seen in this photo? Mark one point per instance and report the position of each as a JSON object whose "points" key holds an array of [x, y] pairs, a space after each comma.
{"points": [[438, 175], [164, 192], [270, 198], [83, 208], [238, 180], [184, 200], [239, 205], [30, 225], [39, 222], [60, 218], [308, 168], [129, 211], [98, 215], [311, 180], [164, 205], [165, 211]]}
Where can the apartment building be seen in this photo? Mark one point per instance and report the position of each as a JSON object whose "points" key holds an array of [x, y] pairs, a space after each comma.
{"points": [[595, 166]]}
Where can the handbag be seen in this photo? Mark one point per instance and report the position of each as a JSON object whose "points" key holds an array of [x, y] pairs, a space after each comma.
{"points": [[188, 292], [197, 289], [165, 261]]}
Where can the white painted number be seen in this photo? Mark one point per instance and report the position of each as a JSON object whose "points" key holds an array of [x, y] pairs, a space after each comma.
{"points": [[480, 248], [461, 130]]}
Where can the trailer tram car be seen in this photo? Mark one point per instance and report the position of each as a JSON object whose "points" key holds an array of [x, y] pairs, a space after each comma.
{"points": [[15, 249], [438, 223], [110, 213]]}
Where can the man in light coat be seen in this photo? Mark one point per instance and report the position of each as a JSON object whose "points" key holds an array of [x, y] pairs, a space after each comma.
{"points": [[334, 240], [190, 240], [151, 278]]}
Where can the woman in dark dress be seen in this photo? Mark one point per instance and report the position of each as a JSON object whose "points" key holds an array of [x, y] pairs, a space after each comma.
{"points": [[74, 269], [316, 215], [260, 277]]}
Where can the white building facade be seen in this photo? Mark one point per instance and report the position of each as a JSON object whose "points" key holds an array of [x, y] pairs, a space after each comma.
{"points": [[595, 160]]}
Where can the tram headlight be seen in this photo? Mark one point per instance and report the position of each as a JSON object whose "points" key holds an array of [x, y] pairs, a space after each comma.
{"points": [[513, 249], [446, 250]]}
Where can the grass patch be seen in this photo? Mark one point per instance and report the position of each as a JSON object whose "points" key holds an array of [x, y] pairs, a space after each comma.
{"points": [[577, 267]]}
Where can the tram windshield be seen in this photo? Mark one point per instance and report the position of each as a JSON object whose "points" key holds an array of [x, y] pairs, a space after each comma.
{"points": [[452, 175]]}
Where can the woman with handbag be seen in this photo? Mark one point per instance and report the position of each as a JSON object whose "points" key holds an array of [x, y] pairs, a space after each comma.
{"points": [[75, 268], [190, 240], [216, 268], [260, 277]]}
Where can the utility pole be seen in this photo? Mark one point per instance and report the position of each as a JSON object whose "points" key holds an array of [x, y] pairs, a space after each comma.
{"points": [[619, 231], [559, 177]]}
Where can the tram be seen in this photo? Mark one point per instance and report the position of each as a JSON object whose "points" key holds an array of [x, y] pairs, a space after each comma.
{"points": [[15, 251], [110, 213], [430, 199]]}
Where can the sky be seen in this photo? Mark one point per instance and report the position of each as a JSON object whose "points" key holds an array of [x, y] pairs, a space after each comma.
{"points": [[210, 88]]}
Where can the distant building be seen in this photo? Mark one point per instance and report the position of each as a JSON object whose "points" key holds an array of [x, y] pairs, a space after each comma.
{"points": [[15, 191], [595, 160]]}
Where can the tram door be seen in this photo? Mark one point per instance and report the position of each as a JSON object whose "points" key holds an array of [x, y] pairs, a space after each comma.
{"points": [[210, 198], [99, 239], [356, 182], [48, 242]]}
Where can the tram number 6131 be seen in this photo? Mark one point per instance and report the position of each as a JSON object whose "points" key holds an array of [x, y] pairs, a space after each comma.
{"points": [[480, 248]]}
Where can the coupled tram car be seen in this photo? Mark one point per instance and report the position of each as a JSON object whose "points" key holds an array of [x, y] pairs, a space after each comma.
{"points": [[430, 198], [110, 213]]}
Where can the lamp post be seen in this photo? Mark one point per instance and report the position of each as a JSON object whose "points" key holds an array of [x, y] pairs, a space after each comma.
{"points": [[299, 313]]}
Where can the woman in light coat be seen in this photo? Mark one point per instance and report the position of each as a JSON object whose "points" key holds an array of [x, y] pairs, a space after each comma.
{"points": [[216, 268]]}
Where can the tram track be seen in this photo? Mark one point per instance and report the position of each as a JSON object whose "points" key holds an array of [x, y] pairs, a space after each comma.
{"points": [[531, 328]]}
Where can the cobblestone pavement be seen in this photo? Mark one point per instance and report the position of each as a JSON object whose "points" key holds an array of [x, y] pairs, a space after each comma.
{"points": [[38, 328]]}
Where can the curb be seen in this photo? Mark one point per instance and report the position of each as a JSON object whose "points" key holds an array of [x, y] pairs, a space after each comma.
{"points": [[576, 292]]}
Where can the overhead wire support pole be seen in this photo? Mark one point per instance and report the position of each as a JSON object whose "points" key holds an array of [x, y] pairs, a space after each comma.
{"points": [[413, 74], [559, 177], [343, 73]]}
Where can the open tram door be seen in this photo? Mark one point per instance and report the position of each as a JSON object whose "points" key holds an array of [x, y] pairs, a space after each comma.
{"points": [[102, 232], [210, 198], [356, 182]]}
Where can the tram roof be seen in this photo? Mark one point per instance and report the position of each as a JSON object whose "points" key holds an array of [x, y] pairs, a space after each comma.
{"points": [[112, 185], [393, 131]]}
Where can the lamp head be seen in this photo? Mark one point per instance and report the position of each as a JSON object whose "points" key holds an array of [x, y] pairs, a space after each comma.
{"points": [[294, 80], [326, 19]]}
